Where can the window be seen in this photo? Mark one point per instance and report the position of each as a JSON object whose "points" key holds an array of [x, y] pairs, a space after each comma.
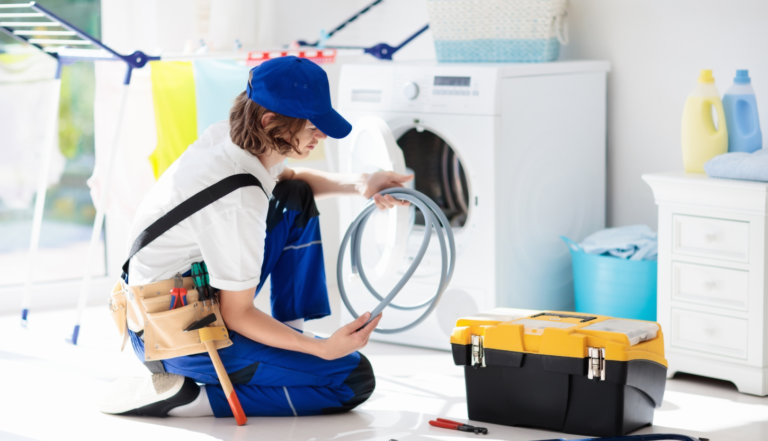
{"points": [[69, 212]]}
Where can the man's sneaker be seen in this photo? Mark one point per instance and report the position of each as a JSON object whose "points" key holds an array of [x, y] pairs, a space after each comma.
{"points": [[149, 396]]}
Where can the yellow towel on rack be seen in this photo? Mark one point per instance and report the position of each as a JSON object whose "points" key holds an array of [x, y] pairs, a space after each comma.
{"points": [[173, 93]]}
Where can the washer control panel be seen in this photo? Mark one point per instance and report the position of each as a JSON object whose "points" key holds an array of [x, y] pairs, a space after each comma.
{"points": [[432, 88]]}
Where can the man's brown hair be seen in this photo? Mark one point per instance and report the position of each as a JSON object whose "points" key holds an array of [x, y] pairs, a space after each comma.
{"points": [[246, 130]]}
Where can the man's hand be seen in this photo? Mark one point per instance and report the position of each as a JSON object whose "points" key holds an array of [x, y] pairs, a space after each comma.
{"points": [[383, 180], [348, 339], [241, 316]]}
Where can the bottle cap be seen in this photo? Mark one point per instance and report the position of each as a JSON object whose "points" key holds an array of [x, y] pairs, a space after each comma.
{"points": [[706, 76], [742, 77]]}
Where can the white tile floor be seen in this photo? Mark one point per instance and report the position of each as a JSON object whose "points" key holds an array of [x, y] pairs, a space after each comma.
{"points": [[50, 389]]}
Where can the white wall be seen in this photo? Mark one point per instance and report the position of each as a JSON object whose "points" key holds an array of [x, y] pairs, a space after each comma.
{"points": [[391, 22], [656, 48], [167, 25], [153, 26]]}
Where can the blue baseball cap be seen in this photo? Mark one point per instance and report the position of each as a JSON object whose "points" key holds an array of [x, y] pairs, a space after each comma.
{"points": [[297, 87]]}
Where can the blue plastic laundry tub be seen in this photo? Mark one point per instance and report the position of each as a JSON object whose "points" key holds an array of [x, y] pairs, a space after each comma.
{"points": [[607, 285]]}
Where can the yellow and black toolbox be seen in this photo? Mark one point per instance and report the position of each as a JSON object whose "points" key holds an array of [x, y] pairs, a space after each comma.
{"points": [[563, 371]]}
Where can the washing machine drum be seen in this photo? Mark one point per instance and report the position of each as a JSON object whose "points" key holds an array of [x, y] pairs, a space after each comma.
{"points": [[438, 173]]}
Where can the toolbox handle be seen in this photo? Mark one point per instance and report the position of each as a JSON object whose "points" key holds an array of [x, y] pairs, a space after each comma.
{"points": [[584, 318]]}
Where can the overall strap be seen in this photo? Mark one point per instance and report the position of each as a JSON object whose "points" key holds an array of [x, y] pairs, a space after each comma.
{"points": [[190, 207]]}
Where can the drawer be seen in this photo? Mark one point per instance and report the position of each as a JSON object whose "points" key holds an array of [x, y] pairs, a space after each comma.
{"points": [[710, 285], [708, 237], [713, 334]]}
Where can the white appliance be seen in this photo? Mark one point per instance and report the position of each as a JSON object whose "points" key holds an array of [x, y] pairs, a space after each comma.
{"points": [[514, 154]]}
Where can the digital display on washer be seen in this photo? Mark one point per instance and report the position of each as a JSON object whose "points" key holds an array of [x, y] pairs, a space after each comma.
{"points": [[452, 81]]}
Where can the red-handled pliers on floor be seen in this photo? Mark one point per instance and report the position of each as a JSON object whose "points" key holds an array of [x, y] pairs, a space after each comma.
{"points": [[448, 424], [178, 293]]}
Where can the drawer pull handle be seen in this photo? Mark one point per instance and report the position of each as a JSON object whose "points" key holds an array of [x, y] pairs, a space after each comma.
{"points": [[710, 285], [710, 236]]}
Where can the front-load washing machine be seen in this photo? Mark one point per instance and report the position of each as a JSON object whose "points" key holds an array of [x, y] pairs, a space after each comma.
{"points": [[514, 155]]}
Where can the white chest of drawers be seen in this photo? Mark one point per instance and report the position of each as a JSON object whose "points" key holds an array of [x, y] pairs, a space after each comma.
{"points": [[712, 282]]}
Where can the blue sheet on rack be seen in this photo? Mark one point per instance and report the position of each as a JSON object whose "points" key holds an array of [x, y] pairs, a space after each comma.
{"points": [[217, 84], [635, 242]]}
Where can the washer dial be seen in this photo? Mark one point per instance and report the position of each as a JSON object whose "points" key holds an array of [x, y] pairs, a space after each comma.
{"points": [[410, 90]]}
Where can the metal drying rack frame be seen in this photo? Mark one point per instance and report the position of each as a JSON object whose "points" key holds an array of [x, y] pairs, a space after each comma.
{"points": [[381, 51]]}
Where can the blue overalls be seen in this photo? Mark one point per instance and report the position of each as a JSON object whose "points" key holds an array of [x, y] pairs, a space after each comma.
{"points": [[277, 382]]}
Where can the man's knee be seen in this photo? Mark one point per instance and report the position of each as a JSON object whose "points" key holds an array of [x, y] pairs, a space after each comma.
{"points": [[293, 189], [291, 195], [362, 381]]}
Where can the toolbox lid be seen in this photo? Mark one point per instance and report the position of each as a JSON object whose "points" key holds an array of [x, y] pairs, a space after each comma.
{"points": [[637, 331], [497, 315], [562, 334], [537, 327]]}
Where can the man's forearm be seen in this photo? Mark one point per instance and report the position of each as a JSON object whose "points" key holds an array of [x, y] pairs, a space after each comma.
{"points": [[258, 326], [325, 184], [241, 316]]}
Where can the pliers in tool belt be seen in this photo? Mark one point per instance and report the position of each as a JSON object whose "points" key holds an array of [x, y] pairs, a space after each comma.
{"points": [[448, 424], [178, 293]]}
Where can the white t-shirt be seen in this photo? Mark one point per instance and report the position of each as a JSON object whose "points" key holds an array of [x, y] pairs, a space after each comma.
{"points": [[227, 234]]}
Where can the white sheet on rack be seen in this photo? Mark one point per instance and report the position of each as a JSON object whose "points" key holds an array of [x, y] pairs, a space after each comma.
{"points": [[132, 175], [28, 98]]}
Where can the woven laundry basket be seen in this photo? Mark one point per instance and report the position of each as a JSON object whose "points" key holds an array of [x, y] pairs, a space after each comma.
{"points": [[498, 30]]}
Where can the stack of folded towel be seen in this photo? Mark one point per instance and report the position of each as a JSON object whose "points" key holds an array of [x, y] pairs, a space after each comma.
{"points": [[739, 165]]}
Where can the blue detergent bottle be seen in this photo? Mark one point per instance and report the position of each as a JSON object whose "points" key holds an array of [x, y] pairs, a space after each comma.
{"points": [[740, 108]]}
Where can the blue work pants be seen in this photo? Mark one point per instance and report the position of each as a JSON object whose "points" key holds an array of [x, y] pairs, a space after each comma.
{"points": [[277, 382]]}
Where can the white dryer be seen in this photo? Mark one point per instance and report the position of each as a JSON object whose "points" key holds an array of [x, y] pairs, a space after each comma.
{"points": [[514, 154]]}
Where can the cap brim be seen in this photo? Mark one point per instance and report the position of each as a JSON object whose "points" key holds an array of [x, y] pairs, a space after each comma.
{"points": [[332, 124]]}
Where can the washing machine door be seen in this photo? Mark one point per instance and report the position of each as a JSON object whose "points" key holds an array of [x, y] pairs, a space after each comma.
{"points": [[373, 148]]}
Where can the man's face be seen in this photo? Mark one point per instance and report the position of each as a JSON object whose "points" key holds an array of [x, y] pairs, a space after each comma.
{"points": [[308, 138]]}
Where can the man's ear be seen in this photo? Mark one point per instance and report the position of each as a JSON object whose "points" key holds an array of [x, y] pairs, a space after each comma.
{"points": [[267, 118]]}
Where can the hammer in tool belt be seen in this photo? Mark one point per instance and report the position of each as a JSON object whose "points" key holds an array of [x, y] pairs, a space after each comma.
{"points": [[209, 334]]}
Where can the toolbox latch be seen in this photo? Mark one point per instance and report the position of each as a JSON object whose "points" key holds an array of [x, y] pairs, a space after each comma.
{"points": [[596, 369], [478, 353]]}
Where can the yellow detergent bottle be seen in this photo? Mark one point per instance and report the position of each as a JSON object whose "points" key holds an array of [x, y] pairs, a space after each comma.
{"points": [[701, 140]]}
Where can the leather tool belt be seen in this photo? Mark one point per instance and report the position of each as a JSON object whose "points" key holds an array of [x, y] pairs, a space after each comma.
{"points": [[145, 309]]}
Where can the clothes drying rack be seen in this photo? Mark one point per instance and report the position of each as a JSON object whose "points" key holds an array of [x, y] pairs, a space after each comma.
{"points": [[59, 48], [90, 49], [42, 186]]}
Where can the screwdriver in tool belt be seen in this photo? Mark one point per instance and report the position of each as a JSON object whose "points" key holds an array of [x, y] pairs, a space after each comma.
{"points": [[202, 283]]}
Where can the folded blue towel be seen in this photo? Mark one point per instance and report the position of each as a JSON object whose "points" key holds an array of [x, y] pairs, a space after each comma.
{"points": [[635, 242], [739, 165]]}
